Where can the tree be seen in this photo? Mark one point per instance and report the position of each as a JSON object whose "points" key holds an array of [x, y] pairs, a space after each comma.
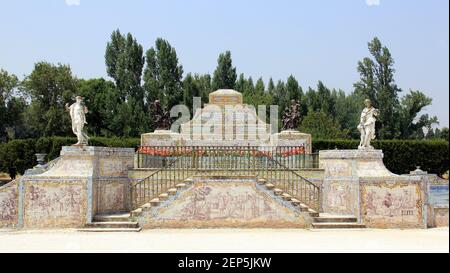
{"points": [[163, 75], [204, 82], [101, 98], [8, 83], [191, 89], [271, 87], [348, 110], [225, 74], [124, 63], [444, 134], [16, 108], [320, 126], [49, 87], [411, 105], [377, 83], [260, 87], [241, 82], [294, 91]]}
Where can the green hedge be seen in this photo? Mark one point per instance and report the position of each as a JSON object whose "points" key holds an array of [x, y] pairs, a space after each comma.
{"points": [[400, 156]]}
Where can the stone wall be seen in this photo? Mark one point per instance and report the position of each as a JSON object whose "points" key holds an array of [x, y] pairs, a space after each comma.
{"points": [[440, 216], [9, 205], [398, 202], [234, 203], [357, 183], [54, 203], [85, 181]]}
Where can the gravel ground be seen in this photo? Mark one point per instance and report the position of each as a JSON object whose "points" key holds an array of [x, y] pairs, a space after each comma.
{"points": [[228, 240]]}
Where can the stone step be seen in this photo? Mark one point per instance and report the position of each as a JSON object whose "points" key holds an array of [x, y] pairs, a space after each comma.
{"points": [[303, 207], [146, 207], [262, 181], [113, 225], [270, 186], [163, 196], [117, 217], [137, 212], [295, 202], [337, 225], [172, 191], [154, 202], [330, 218], [313, 213], [181, 185], [286, 197], [277, 191], [110, 229]]}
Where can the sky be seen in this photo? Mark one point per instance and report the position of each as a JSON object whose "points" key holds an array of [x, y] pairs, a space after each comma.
{"points": [[312, 40]]}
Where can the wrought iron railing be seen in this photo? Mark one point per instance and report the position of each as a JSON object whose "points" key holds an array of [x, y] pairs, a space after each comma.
{"points": [[293, 157], [290, 182], [174, 164], [174, 171]]}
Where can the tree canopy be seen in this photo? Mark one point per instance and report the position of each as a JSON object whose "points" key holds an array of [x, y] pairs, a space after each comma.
{"points": [[122, 105]]}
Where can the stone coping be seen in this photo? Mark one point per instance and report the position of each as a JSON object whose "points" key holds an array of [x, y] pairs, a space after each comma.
{"points": [[95, 150], [351, 154]]}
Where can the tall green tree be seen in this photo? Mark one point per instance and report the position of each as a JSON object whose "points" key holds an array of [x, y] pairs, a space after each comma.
{"points": [[293, 89], [101, 98], [411, 105], [225, 74], [191, 89], [377, 83], [124, 63], [49, 87], [8, 83], [163, 75], [16, 108]]}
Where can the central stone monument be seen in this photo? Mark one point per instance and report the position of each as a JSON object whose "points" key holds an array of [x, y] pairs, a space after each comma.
{"points": [[226, 121]]}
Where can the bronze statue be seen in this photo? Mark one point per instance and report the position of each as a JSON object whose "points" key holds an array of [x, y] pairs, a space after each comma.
{"points": [[291, 116], [162, 116]]}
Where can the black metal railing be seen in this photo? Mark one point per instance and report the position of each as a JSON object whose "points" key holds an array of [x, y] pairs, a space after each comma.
{"points": [[173, 164], [290, 182], [293, 157]]}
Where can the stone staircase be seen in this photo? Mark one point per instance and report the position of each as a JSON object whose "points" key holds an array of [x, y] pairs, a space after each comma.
{"points": [[117, 222], [161, 198], [320, 220], [288, 198]]}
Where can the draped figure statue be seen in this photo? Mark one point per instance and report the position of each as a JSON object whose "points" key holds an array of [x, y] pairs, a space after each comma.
{"points": [[367, 125]]}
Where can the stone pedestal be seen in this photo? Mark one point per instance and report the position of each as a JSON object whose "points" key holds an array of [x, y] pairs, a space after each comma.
{"points": [[356, 182], [353, 163], [292, 138], [161, 138], [84, 181]]}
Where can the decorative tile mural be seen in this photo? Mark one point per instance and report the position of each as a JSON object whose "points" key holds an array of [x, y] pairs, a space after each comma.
{"points": [[225, 204], [397, 204], [9, 205], [55, 204]]}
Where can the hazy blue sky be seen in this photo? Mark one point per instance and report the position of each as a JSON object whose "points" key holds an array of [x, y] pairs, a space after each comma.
{"points": [[312, 40]]}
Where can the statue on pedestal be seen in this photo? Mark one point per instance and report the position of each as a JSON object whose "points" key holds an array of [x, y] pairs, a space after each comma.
{"points": [[162, 116], [367, 125], [78, 113], [291, 116]]}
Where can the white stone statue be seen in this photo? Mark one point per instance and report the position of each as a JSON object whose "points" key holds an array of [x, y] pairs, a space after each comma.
{"points": [[77, 113], [367, 125]]}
